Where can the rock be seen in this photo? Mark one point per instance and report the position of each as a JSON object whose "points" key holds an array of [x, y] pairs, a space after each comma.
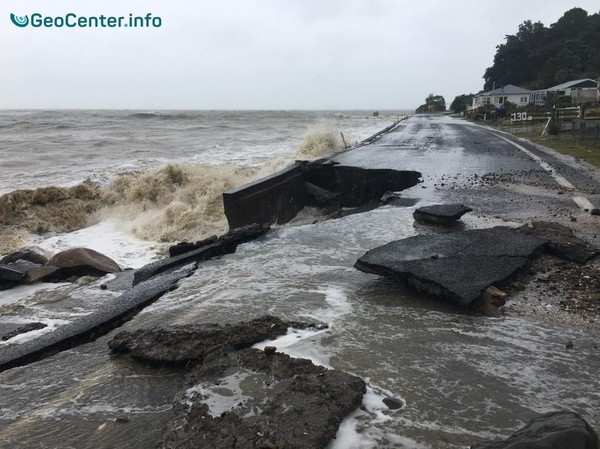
{"points": [[440, 214], [595, 211], [179, 345], [553, 430], [25, 254], [42, 274], [11, 273], [569, 345], [491, 300], [23, 329], [393, 404], [269, 350], [466, 262], [7, 285], [83, 262], [249, 399], [562, 241], [23, 265]]}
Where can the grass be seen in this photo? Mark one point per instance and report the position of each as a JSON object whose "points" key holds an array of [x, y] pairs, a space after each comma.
{"points": [[564, 144]]}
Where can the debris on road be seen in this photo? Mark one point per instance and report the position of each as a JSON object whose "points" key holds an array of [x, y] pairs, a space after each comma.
{"points": [[440, 214]]}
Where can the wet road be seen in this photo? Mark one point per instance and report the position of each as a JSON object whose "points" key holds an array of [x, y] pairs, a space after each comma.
{"points": [[484, 168], [463, 377]]}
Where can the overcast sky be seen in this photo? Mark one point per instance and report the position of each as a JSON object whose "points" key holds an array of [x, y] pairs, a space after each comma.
{"points": [[259, 54]]}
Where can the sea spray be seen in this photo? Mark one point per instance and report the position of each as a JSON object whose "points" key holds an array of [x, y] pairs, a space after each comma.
{"points": [[46, 209], [176, 202], [319, 141], [171, 203]]}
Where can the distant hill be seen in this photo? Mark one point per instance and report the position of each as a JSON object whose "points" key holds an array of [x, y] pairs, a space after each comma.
{"points": [[538, 57]]}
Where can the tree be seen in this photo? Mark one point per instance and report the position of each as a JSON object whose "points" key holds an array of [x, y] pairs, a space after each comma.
{"points": [[461, 102], [435, 103], [538, 56]]}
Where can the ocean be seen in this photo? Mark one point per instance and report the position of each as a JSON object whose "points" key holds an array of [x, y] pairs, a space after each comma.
{"points": [[133, 182]]}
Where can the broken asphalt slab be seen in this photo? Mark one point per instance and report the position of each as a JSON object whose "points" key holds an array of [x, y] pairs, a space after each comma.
{"points": [[90, 327], [459, 265], [236, 397], [258, 399], [440, 214], [182, 344]]}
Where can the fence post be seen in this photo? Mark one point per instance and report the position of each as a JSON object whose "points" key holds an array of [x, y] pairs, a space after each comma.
{"points": [[596, 134]]}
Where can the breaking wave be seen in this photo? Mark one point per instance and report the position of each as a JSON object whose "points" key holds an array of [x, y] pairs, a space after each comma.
{"points": [[171, 203], [175, 202], [319, 141]]}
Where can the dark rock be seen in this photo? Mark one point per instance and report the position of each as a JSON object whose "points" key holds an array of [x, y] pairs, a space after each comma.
{"points": [[440, 214], [269, 350], [23, 265], [393, 404], [11, 273], [42, 274], [83, 262], [23, 329], [25, 254], [285, 403], [553, 430], [466, 262], [7, 285], [595, 211], [562, 241], [179, 345]]}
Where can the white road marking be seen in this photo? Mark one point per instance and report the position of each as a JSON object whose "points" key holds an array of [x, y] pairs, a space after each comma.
{"points": [[581, 201]]}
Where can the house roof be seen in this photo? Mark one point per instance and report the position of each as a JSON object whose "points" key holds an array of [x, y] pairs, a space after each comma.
{"points": [[575, 83], [509, 89]]}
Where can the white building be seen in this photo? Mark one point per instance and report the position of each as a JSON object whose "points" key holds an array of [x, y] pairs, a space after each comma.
{"points": [[497, 97]]}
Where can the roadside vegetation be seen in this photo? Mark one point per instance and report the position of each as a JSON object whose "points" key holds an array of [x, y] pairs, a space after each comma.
{"points": [[563, 143]]}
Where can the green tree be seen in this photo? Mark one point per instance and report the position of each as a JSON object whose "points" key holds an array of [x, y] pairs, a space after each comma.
{"points": [[461, 102], [435, 103], [538, 56]]}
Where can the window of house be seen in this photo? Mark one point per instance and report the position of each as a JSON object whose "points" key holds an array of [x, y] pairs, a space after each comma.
{"points": [[523, 99]]}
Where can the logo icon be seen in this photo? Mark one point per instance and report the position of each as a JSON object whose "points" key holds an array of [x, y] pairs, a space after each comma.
{"points": [[20, 21]]}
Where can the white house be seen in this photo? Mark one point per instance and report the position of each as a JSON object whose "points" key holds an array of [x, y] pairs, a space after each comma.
{"points": [[497, 97], [580, 91]]}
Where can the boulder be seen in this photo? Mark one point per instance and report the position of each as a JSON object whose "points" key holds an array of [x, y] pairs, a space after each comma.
{"points": [[41, 274], [83, 262], [251, 399], [179, 344], [440, 214], [25, 254], [553, 430], [11, 273], [457, 265]]}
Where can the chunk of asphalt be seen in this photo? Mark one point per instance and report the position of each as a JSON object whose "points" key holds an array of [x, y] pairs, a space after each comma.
{"points": [[458, 265]]}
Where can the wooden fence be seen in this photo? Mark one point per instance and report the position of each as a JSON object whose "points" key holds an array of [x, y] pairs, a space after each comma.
{"points": [[586, 131]]}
